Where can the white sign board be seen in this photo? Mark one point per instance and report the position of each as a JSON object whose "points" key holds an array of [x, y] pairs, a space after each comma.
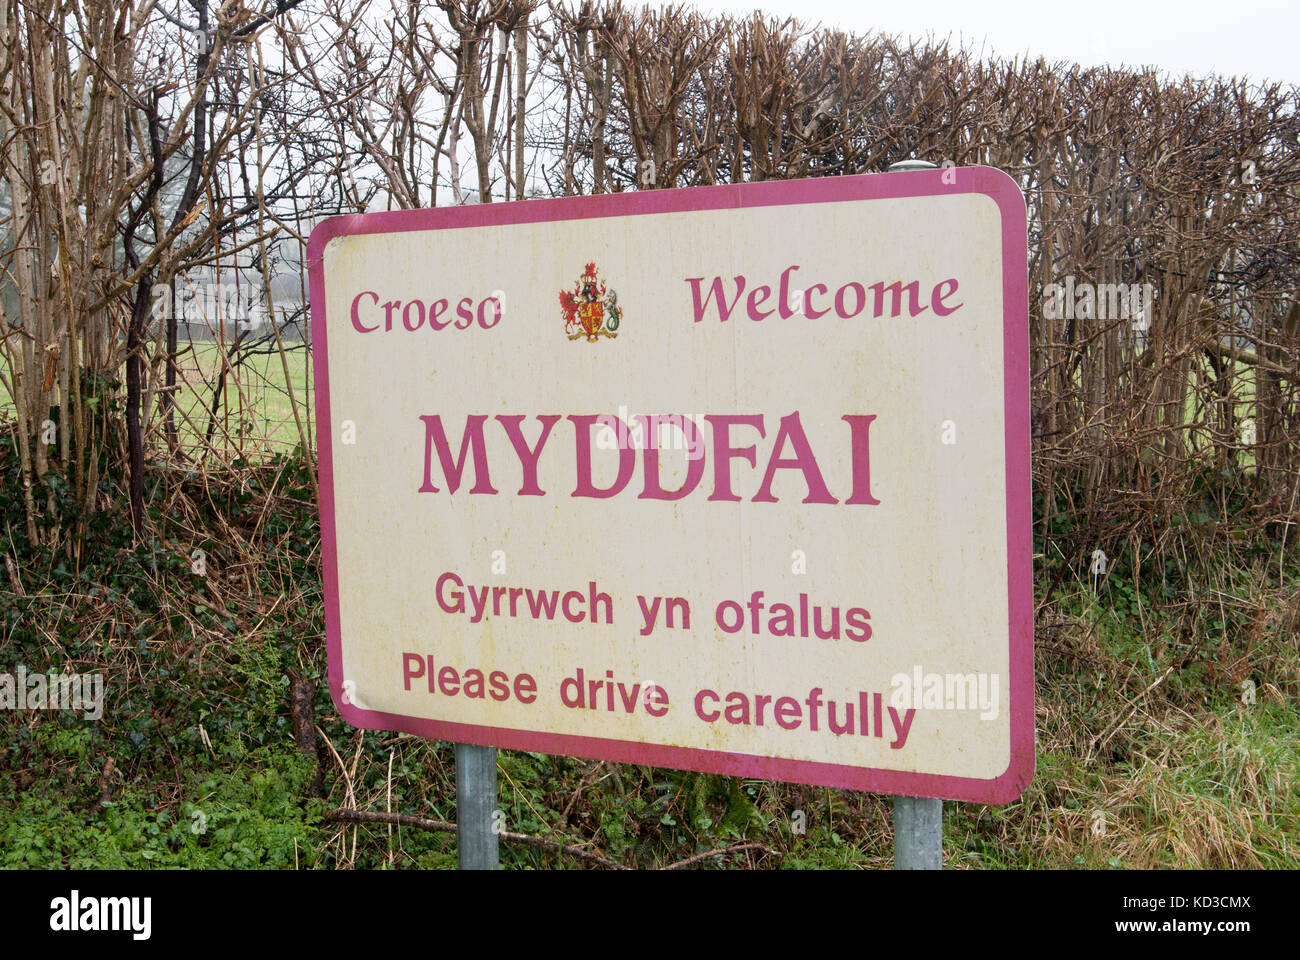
{"points": [[732, 479]]}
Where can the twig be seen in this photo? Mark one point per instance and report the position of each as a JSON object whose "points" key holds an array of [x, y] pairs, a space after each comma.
{"points": [[1132, 705], [721, 850], [17, 584], [344, 815]]}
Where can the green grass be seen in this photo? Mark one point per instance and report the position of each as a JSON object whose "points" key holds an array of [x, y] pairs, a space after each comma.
{"points": [[255, 415], [256, 407], [244, 815]]}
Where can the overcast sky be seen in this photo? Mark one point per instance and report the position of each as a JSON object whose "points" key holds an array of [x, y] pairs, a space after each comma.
{"points": [[1254, 38]]}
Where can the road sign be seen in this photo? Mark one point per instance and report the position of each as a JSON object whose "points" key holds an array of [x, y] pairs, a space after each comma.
{"points": [[731, 479]]}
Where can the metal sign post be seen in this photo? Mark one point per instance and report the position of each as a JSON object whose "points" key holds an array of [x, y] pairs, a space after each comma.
{"points": [[476, 806], [918, 821], [918, 833]]}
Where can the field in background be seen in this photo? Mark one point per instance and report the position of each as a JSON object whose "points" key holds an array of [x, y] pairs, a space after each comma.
{"points": [[256, 415]]}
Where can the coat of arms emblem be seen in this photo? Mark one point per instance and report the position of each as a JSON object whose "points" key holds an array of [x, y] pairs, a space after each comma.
{"points": [[590, 309]]}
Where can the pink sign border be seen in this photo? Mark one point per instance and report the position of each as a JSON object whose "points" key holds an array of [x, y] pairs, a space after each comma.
{"points": [[922, 183]]}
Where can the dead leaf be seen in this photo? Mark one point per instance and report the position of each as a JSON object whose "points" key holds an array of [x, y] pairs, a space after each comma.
{"points": [[51, 365]]}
